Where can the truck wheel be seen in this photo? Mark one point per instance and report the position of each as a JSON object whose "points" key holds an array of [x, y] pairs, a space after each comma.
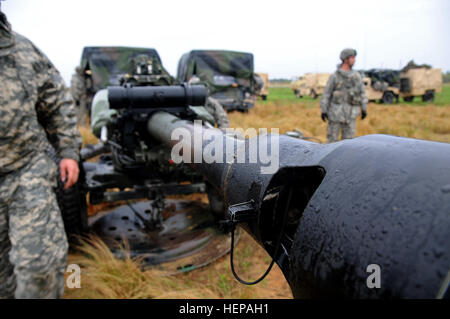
{"points": [[388, 97], [264, 97], [428, 96], [408, 98]]}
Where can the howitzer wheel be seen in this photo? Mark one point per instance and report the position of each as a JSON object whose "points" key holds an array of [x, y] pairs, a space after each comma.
{"points": [[189, 237]]}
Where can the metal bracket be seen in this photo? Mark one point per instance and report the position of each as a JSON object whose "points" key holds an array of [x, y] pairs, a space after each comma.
{"points": [[239, 213]]}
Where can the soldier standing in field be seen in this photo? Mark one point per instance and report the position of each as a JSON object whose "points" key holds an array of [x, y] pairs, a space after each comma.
{"points": [[36, 111], [343, 98]]}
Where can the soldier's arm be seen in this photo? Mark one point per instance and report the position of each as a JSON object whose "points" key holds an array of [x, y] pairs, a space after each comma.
{"points": [[219, 114], [327, 93], [56, 111]]}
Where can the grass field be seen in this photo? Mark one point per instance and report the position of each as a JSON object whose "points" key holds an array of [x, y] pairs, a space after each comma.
{"points": [[105, 277]]}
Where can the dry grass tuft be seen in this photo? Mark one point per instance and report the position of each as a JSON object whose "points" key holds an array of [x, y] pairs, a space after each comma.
{"points": [[104, 276]]}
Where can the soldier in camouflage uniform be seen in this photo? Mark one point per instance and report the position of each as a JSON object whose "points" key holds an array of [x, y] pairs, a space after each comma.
{"points": [[35, 108], [78, 90], [343, 98], [214, 107]]}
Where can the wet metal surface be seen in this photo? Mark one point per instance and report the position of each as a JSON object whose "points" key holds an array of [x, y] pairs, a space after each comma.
{"points": [[188, 228]]}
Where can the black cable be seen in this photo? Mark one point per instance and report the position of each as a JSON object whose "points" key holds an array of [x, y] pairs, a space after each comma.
{"points": [[278, 245]]}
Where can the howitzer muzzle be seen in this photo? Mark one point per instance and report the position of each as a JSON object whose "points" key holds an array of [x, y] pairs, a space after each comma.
{"points": [[142, 97], [369, 217]]}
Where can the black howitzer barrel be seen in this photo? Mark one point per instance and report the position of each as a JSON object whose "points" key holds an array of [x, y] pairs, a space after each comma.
{"points": [[142, 97], [356, 209]]}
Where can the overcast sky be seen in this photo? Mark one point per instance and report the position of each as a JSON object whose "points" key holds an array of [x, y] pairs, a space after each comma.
{"points": [[287, 38]]}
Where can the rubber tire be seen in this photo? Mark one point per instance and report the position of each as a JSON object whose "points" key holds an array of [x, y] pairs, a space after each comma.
{"points": [[264, 97], [428, 96], [388, 97]]}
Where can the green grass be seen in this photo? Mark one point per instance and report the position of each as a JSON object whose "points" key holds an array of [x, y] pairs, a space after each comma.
{"points": [[286, 96], [440, 99]]}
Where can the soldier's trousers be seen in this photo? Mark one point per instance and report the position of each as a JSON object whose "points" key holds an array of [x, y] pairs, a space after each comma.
{"points": [[334, 129], [33, 243]]}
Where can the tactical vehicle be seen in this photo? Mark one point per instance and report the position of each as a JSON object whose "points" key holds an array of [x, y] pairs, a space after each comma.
{"points": [[420, 80], [381, 85], [413, 80], [310, 84], [262, 80], [131, 86], [228, 75], [382, 93]]}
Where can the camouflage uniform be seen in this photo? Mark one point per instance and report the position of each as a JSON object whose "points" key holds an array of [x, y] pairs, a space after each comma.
{"points": [[78, 89], [215, 108], [342, 100], [35, 108]]}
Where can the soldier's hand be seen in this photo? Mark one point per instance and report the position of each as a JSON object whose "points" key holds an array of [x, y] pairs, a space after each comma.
{"points": [[363, 115], [69, 172], [324, 117]]}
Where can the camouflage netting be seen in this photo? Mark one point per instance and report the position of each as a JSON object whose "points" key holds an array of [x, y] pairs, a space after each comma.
{"points": [[218, 69], [109, 64], [412, 65]]}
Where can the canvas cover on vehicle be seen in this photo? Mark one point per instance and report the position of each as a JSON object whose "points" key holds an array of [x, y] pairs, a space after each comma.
{"points": [[217, 68], [412, 65], [108, 64], [391, 77]]}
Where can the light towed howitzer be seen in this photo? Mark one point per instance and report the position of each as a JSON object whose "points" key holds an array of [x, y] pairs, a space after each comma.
{"points": [[361, 218], [134, 170]]}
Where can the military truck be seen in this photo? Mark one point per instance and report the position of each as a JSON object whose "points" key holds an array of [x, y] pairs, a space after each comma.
{"points": [[420, 80], [262, 80], [101, 67], [382, 85], [228, 75], [311, 84], [413, 80], [383, 94]]}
